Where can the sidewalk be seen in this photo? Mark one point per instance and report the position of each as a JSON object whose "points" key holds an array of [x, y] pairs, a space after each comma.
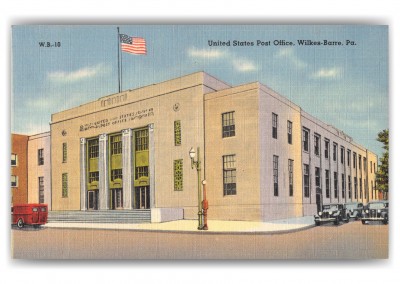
{"points": [[214, 226]]}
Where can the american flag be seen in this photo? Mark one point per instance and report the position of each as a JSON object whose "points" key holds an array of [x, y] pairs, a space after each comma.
{"points": [[135, 45]]}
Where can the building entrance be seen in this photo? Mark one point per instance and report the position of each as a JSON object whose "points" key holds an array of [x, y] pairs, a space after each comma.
{"points": [[142, 197], [116, 198], [93, 200]]}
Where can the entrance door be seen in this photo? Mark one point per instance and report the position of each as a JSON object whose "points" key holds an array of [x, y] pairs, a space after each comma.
{"points": [[142, 197], [93, 200], [116, 198]]}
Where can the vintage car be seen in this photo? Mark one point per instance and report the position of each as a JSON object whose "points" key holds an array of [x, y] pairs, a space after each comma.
{"points": [[335, 213], [354, 210], [376, 211], [29, 214]]}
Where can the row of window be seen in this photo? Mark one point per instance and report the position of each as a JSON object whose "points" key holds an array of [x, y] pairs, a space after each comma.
{"points": [[306, 184], [317, 151]]}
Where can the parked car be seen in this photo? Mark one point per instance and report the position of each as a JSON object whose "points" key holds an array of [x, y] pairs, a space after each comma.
{"points": [[354, 210], [376, 211], [29, 214], [335, 213]]}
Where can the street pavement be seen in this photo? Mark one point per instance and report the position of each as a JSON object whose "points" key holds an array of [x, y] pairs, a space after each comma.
{"points": [[214, 226]]}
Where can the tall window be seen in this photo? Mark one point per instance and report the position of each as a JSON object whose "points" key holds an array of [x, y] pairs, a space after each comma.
{"points": [[14, 160], [116, 174], [40, 157], [228, 124], [316, 144], [177, 132], [178, 175], [93, 176], [289, 132], [306, 137], [334, 151], [342, 155], [343, 186], [229, 173], [275, 174], [317, 177], [359, 162], [274, 125], [335, 184], [370, 166], [93, 147], [365, 189], [116, 144], [350, 187], [141, 140], [64, 152], [327, 188], [306, 180], [64, 185], [364, 164], [354, 160], [326, 149], [355, 188], [348, 157], [41, 189], [142, 171], [14, 181], [361, 189], [290, 168]]}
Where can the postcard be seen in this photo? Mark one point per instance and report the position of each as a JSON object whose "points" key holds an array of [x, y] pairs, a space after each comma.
{"points": [[199, 142]]}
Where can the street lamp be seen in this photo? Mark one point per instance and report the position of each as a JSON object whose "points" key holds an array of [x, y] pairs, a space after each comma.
{"points": [[197, 164]]}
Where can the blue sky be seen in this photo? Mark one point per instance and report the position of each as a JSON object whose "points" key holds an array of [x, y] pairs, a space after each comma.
{"points": [[346, 86]]}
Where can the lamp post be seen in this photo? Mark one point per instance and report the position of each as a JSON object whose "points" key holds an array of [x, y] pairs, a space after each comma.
{"points": [[197, 164]]}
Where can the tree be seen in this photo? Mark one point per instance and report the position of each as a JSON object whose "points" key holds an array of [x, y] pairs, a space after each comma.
{"points": [[382, 176]]}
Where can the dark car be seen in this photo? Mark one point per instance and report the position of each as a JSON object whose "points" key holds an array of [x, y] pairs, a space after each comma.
{"points": [[335, 213], [354, 210], [376, 211]]}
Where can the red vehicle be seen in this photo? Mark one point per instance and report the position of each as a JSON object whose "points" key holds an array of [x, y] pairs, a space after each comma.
{"points": [[29, 214]]}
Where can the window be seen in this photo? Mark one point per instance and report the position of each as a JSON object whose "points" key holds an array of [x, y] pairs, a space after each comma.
{"points": [[116, 144], [228, 124], [93, 176], [354, 159], [317, 177], [370, 166], [275, 174], [306, 134], [64, 185], [93, 146], [365, 189], [334, 151], [365, 164], [274, 125], [348, 157], [64, 152], [14, 181], [290, 168], [317, 139], [355, 188], [14, 160], [141, 172], [142, 140], [335, 184], [178, 175], [342, 155], [359, 162], [327, 188], [289, 132], [40, 157], [229, 174], [374, 168], [350, 187], [116, 174], [306, 180], [361, 189], [326, 149], [41, 189], [177, 132], [343, 186]]}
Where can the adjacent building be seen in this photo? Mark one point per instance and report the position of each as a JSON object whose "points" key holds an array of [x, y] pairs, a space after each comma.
{"points": [[262, 156], [19, 169]]}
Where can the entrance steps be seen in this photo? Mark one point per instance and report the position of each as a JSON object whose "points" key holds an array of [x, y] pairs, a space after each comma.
{"points": [[101, 216]]}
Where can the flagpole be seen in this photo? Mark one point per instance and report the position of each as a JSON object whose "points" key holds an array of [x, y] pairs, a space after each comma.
{"points": [[119, 64]]}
